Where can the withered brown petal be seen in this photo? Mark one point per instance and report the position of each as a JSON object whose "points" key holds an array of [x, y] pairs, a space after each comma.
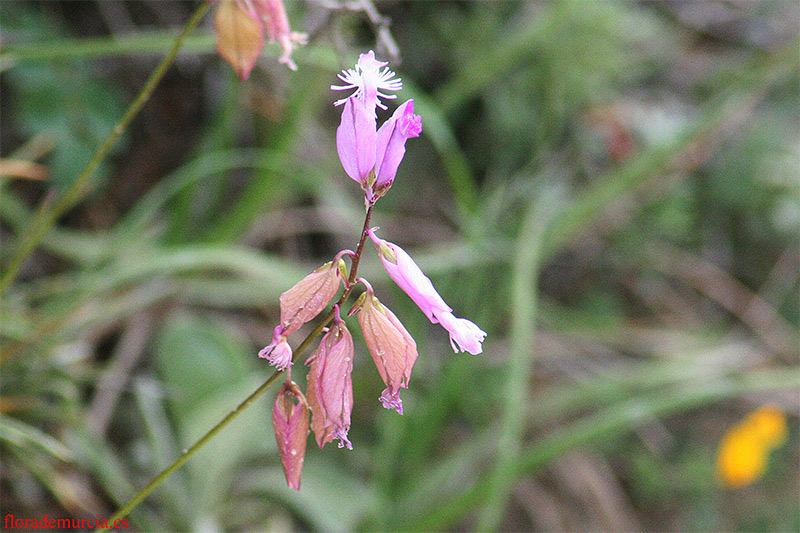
{"points": [[240, 37]]}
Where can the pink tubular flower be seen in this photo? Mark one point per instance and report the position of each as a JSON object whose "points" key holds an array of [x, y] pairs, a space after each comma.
{"points": [[278, 352], [355, 140], [392, 145], [311, 294], [389, 343], [330, 386], [464, 335], [290, 422]]}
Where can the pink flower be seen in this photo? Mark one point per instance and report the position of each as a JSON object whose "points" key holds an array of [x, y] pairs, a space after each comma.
{"points": [[278, 352], [368, 80], [355, 140], [290, 422], [368, 156], [273, 15], [464, 335], [389, 343], [392, 145], [330, 386], [240, 25]]}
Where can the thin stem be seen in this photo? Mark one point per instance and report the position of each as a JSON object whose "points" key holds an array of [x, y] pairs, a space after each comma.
{"points": [[160, 478], [50, 210], [187, 453]]}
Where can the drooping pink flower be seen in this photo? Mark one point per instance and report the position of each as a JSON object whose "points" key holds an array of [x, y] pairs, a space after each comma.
{"points": [[330, 386], [278, 352], [290, 422], [464, 335], [273, 15], [390, 344], [240, 26], [311, 294], [391, 146]]}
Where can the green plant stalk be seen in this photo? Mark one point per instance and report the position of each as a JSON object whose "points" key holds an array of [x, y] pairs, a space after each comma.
{"points": [[51, 210], [187, 453], [612, 420]]}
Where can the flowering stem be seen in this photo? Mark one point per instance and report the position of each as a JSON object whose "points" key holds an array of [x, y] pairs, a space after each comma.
{"points": [[187, 453], [50, 210]]}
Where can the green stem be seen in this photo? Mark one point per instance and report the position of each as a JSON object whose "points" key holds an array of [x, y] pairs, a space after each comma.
{"points": [[160, 478], [50, 210]]}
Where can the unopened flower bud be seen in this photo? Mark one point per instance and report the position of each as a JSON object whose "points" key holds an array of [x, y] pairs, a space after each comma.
{"points": [[311, 295], [330, 386], [464, 334], [389, 343], [290, 421]]}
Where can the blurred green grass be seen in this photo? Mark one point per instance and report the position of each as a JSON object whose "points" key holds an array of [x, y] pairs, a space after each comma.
{"points": [[608, 189]]}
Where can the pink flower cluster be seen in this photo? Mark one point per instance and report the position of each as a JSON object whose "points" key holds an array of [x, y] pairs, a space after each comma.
{"points": [[371, 157]]}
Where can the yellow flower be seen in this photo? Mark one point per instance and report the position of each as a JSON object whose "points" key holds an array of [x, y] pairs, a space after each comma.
{"points": [[769, 423], [745, 448]]}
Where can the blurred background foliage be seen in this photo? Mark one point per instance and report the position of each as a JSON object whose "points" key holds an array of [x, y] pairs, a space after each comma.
{"points": [[609, 189]]}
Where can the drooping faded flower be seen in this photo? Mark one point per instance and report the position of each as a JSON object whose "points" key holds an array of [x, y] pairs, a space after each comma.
{"points": [[311, 294], [278, 352], [290, 422], [240, 26], [300, 304], [240, 36], [464, 334], [391, 346], [330, 386]]}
